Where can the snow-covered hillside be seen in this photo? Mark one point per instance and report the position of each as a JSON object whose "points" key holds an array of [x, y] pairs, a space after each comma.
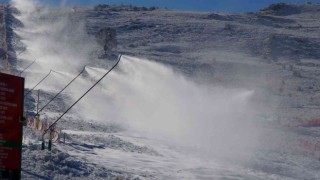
{"points": [[196, 95]]}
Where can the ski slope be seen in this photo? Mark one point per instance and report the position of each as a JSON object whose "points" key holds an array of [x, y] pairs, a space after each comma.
{"points": [[196, 95]]}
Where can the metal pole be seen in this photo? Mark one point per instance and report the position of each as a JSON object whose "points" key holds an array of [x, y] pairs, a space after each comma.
{"points": [[27, 67], [61, 91], [37, 84], [54, 123]]}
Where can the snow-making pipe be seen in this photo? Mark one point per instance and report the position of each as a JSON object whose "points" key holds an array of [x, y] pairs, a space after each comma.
{"points": [[22, 52], [39, 83], [56, 72], [55, 122], [27, 67], [38, 112]]}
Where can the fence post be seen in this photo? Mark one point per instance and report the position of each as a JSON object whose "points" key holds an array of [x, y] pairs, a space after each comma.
{"points": [[43, 145], [50, 144]]}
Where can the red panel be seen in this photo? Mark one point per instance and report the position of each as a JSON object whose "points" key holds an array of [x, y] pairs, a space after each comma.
{"points": [[11, 109], [9, 158]]}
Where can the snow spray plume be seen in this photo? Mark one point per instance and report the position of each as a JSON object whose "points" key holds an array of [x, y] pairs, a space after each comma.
{"points": [[55, 37], [25, 6], [144, 96], [78, 100], [151, 98], [60, 91]]}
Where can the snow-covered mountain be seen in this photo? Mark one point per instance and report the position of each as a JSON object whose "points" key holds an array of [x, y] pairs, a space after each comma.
{"points": [[196, 95]]}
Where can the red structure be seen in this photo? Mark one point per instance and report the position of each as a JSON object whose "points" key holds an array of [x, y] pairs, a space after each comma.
{"points": [[11, 113]]}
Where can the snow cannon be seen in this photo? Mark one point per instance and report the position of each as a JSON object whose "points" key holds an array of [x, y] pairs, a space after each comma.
{"points": [[51, 128]]}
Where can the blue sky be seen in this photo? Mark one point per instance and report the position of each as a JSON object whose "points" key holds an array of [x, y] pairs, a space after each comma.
{"points": [[198, 5]]}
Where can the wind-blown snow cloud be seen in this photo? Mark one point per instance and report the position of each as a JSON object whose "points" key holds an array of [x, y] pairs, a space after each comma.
{"points": [[152, 99], [57, 41], [140, 95]]}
